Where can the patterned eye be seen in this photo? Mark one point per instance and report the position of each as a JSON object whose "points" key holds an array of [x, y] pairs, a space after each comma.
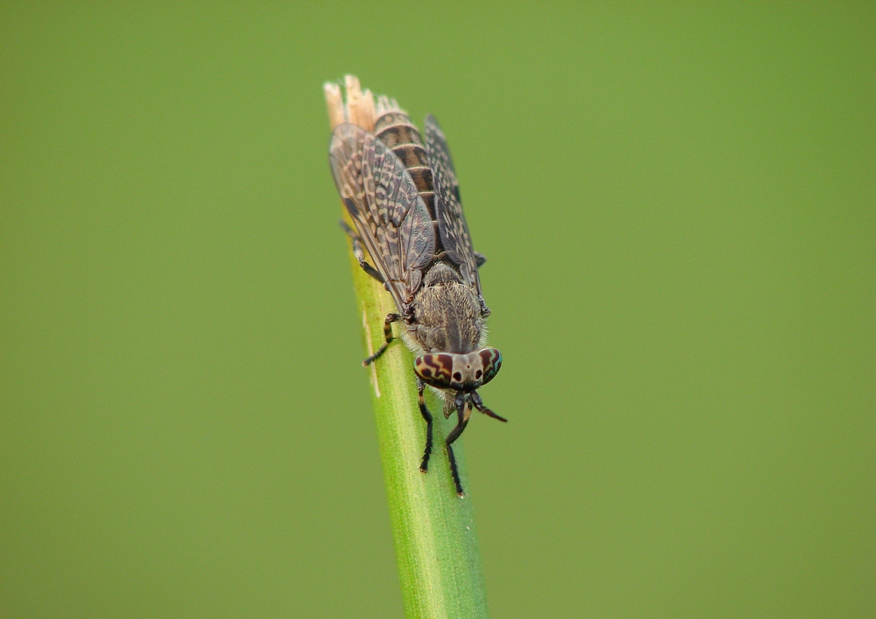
{"points": [[459, 372], [491, 360], [435, 369]]}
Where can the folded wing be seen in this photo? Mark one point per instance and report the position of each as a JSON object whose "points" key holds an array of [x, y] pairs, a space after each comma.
{"points": [[452, 227], [388, 212]]}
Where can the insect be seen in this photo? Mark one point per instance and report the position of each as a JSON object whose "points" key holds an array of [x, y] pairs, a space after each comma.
{"points": [[403, 197]]}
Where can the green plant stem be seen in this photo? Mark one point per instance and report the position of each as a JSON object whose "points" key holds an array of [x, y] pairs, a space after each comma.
{"points": [[436, 545]]}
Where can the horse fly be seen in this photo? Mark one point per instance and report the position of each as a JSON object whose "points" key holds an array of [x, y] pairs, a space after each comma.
{"points": [[403, 197]]}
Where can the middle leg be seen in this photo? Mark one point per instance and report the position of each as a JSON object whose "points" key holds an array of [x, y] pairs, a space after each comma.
{"points": [[387, 337]]}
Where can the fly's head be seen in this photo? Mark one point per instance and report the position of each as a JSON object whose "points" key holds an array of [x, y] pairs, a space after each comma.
{"points": [[463, 374], [451, 371]]}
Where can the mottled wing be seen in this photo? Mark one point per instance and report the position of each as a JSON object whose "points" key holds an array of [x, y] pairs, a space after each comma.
{"points": [[448, 206], [389, 214]]}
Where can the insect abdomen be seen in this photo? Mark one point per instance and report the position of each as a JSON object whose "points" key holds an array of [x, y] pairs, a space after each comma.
{"points": [[394, 128]]}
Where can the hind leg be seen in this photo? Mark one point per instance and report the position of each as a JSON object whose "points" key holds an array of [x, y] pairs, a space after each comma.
{"points": [[360, 253]]}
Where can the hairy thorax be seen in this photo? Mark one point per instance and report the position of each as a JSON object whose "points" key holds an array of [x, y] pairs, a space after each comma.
{"points": [[447, 313]]}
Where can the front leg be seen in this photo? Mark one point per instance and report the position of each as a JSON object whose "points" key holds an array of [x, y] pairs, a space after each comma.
{"points": [[462, 421], [428, 417]]}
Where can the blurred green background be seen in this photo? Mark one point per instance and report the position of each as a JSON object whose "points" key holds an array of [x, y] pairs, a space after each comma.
{"points": [[678, 205]]}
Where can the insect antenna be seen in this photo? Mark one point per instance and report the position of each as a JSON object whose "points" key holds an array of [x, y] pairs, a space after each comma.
{"points": [[478, 404]]}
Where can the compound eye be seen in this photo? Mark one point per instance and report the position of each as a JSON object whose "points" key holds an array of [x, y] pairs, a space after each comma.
{"points": [[491, 361], [435, 369]]}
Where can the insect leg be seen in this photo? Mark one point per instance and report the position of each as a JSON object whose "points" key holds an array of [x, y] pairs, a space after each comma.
{"points": [[387, 335], [428, 417], [360, 254], [462, 421], [478, 404]]}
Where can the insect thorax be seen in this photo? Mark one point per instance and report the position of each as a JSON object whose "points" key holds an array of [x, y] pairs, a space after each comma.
{"points": [[447, 314]]}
